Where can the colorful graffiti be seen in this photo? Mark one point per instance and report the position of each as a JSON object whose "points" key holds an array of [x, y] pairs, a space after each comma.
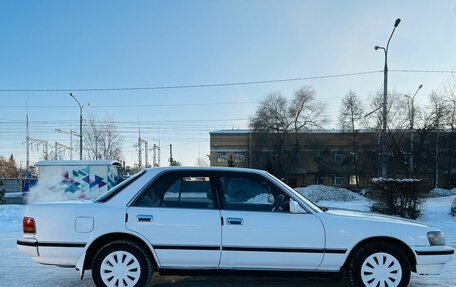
{"points": [[82, 182]]}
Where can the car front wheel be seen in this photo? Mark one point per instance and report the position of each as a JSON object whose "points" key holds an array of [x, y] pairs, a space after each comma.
{"points": [[122, 264], [379, 264]]}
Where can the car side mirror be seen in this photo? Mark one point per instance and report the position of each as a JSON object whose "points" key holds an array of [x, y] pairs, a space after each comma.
{"points": [[295, 207]]}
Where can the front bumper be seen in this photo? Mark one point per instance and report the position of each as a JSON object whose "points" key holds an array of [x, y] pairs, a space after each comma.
{"points": [[432, 259]]}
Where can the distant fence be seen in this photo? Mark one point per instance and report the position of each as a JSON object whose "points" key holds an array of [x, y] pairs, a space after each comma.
{"points": [[14, 189], [17, 185]]}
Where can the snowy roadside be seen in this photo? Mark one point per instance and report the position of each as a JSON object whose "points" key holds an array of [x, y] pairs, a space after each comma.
{"points": [[19, 270]]}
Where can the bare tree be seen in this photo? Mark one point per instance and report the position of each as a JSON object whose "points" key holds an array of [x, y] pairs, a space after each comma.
{"points": [[201, 161], [438, 112], [175, 163], [351, 115], [8, 167], [288, 119], [101, 139], [449, 90], [397, 127]]}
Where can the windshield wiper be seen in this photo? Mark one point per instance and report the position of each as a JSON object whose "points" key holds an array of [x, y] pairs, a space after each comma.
{"points": [[323, 208]]}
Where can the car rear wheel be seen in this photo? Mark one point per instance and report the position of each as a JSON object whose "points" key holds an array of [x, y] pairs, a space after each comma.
{"points": [[379, 265], [122, 264]]}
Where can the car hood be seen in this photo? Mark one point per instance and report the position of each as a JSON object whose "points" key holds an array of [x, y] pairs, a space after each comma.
{"points": [[368, 216]]}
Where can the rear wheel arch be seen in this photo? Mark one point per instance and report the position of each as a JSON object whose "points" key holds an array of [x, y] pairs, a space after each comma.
{"points": [[382, 239], [101, 241]]}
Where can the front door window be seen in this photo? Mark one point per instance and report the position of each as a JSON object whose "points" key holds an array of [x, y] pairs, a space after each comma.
{"points": [[251, 192]]}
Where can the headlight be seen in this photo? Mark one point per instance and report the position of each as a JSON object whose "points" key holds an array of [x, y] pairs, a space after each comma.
{"points": [[436, 238]]}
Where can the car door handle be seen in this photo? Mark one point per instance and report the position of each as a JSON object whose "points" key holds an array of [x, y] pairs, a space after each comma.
{"points": [[144, 218], [234, 221]]}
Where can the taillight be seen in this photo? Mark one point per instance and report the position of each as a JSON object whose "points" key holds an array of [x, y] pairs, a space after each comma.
{"points": [[28, 225]]}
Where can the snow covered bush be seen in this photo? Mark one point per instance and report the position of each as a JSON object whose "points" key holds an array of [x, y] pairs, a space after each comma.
{"points": [[453, 208], [403, 197]]}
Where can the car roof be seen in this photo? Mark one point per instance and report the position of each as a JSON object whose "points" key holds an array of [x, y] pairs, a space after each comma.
{"points": [[206, 168]]}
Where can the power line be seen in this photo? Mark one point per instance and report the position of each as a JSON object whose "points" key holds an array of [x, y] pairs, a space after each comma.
{"points": [[130, 106], [225, 84], [422, 71], [193, 86], [55, 122]]}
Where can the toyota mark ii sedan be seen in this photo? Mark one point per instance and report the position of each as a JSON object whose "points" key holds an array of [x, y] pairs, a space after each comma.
{"points": [[179, 220]]}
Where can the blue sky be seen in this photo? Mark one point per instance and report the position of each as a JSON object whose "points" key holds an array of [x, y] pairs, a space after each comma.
{"points": [[98, 44]]}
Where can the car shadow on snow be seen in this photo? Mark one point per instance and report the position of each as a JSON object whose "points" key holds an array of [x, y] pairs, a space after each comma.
{"points": [[231, 281]]}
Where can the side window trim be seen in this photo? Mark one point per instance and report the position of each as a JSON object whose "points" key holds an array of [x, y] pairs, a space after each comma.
{"points": [[180, 173], [192, 173], [216, 191], [268, 180], [135, 198], [245, 175]]}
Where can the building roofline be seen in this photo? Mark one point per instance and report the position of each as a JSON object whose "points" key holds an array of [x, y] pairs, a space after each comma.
{"points": [[316, 131], [77, 162]]}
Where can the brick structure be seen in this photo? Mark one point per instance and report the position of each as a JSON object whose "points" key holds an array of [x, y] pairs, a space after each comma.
{"points": [[324, 157]]}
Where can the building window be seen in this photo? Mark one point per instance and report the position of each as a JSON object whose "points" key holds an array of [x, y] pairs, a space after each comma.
{"points": [[337, 180], [353, 179], [239, 157], [337, 157], [319, 179], [222, 157]]}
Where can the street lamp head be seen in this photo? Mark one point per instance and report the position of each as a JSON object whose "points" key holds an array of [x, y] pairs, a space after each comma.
{"points": [[376, 48], [397, 22], [71, 95], [420, 87], [89, 105]]}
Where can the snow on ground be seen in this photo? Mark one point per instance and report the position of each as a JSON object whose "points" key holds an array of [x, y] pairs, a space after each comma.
{"points": [[335, 197], [318, 193], [440, 192], [19, 270]]}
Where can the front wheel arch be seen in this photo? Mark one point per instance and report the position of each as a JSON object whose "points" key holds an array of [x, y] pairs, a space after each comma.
{"points": [[400, 244], [101, 241]]}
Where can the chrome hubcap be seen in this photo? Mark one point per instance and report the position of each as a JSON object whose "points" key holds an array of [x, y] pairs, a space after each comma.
{"points": [[120, 269], [381, 270]]}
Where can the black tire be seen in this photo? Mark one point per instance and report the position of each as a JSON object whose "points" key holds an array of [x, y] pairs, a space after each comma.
{"points": [[145, 262], [361, 254]]}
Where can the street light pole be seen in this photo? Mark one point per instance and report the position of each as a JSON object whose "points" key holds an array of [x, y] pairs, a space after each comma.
{"points": [[81, 108], [384, 158], [412, 121]]}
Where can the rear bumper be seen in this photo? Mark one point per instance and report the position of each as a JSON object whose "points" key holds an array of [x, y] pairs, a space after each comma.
{"points": [[29, 247], [64, 254], [432, 259]]}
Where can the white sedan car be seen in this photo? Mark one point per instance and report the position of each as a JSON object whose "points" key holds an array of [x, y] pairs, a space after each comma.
{"points": [[190, 221]]}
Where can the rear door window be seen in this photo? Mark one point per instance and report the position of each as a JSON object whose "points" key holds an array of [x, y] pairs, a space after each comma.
{"points": [[179, 190]]}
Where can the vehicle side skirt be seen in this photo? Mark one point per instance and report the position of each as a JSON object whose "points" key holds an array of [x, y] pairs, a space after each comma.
{"points": [[245, 272]]}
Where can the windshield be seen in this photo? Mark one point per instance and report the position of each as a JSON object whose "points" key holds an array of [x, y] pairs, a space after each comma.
{"points": [[308, 202], [118, 188]]}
